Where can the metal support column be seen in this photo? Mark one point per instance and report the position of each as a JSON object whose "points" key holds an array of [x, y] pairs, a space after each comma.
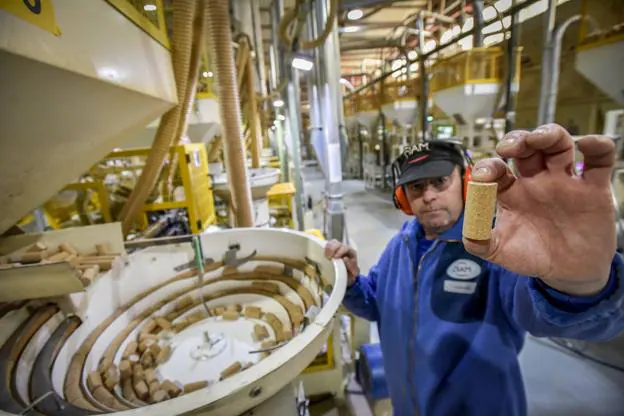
{"points": [[510, 99], [277, 73], [331, 106], [294, 120], [477, 16], [555, 61], [424, 80], [549, 28]]}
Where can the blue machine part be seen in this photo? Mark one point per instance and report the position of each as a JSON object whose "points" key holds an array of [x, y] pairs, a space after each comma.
{"points": [[370, 372]]}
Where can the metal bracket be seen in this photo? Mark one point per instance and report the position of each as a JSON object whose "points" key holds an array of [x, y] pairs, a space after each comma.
{"points": [[230, 258]]}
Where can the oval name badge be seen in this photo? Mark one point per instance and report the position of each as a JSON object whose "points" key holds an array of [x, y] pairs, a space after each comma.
{"points": [[463, 269]]}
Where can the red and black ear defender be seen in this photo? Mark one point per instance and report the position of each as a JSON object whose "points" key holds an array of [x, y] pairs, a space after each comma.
{"points": [[400, 199]]}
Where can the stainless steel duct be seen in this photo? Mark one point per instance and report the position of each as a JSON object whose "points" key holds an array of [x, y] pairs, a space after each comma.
{"points": [[317, 137], [294, 118], [328, 81], [277, 72], [555, 61], [549, 27], [477, 16]]}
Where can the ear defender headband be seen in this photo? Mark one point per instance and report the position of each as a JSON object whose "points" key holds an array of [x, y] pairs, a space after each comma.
{"points": [[400, 198]]}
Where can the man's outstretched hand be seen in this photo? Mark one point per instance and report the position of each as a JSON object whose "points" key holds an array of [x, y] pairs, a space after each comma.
{"points": [[334, 249], [551, 223]]}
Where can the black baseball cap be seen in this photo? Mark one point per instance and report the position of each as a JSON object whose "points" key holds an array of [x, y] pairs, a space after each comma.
{"points": [[433, 159]]}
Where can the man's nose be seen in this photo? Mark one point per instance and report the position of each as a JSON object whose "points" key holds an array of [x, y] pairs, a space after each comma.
{"points": [[429, 194]]}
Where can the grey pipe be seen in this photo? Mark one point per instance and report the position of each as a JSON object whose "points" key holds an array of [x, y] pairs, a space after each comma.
{"points": [[295, 138], [553, 88], [549, 27], [477, 16], [328, 83], [277, 11]]}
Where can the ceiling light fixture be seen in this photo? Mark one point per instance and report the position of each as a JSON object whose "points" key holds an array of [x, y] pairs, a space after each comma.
{"points": [[205, 74], [281, 117], [278, 103], [350, 29], [149, 7], [302, 63], [355, 14]]}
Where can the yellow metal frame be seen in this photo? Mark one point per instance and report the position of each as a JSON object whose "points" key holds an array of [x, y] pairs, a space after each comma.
{"points": [[601, 41], [193, 171], [391, 91], [128, 9], [281, 194], [475, 66], [325, 361]]}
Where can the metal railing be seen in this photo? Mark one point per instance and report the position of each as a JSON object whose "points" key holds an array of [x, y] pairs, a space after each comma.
{"points": [[149, 15], [368, 100], [475, 66], [400, 90]]}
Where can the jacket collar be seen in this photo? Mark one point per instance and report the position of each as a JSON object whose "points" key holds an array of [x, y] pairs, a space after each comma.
{"points": [[413, 229]]}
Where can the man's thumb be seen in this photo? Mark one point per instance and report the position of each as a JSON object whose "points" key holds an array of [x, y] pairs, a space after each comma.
{"points": [[481, 248]]}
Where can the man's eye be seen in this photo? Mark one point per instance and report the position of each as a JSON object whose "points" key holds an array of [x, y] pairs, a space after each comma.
{"points": [[417, 187]]}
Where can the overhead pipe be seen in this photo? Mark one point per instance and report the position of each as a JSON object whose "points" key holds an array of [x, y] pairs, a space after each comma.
{"points": [[246, 72], [184, 12], [477, 16], [294, 118], [225, 73], [553, 88], [424, 80], [279, 71], [313, 78], [510, 99], [438, 49], [547, 44], [293, 14], [333, 120]]}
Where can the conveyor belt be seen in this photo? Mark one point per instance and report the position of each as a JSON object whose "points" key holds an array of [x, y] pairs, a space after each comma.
{"points": [[41, 376], [10, 353]]}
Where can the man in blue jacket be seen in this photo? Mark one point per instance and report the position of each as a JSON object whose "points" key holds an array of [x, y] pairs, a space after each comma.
{"points": [[452, 313]]}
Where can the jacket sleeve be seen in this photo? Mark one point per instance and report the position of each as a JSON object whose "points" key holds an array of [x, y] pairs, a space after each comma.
{"points": [[545, 312], [360, 297]]}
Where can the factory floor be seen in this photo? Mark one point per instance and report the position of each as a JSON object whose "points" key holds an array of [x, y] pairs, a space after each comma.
{"points": [[557, 382]]}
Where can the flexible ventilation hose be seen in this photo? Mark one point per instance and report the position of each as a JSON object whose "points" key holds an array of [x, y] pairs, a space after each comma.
{"points": [[220, 40], [199, 34], [253, 120], [289, 17], [183, 19]]}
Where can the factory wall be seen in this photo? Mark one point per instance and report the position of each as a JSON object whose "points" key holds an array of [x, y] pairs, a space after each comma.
{"points": [[580, 105]]}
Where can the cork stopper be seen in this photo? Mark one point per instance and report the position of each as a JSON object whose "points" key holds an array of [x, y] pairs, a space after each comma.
{"points": [[479, 210]]}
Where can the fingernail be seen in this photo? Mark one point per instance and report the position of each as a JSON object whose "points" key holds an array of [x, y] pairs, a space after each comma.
{"points": [[481, 171], [541, 131], [510, 138]]}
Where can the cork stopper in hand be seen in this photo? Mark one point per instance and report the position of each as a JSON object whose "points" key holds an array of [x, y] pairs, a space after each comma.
{"points": [[479, 210]]}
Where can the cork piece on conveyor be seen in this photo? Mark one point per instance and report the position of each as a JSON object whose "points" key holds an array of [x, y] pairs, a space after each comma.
{"points": [[163, 323], [260, 332], [269, 269], [197, 385], [172, 389], [266, 286], [130, 349], [184, 303], [253, 312], [231, 370], [230, 315], [479, 211], [163, 355]]}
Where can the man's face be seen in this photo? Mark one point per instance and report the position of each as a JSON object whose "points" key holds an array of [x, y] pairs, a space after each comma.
{"points": [[437, 203]]}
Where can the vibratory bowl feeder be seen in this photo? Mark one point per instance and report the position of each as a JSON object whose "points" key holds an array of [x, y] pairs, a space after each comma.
{"points": [[217, 324]]}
